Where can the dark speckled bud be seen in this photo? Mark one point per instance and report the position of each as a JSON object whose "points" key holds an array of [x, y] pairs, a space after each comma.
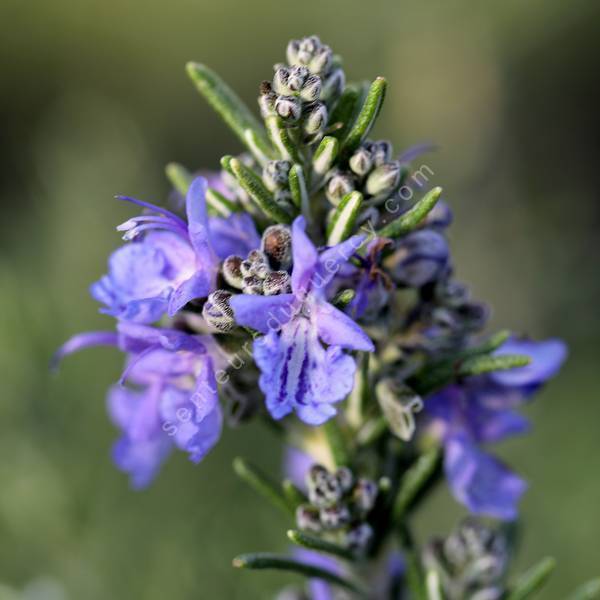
{"points": [[345, 477], [232, 271], [217, 312], [358, 537], [364, 495], [307, 519], [277, 245], [334, 517], [276, 282]]}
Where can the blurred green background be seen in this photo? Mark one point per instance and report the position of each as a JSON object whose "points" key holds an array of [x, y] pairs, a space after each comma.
{"points": [[95, 101]]}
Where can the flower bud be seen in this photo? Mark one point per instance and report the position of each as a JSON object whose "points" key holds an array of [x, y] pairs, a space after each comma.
{"points": [[361, 162], [345, 477], [277, 246], [382, 152], [311, 89], [321, 61], [333, 85], [217, 312], [364, 495], [421, 257], [307, 519], [253, 285], [358, 537], [383, 180], [297, 77], [334, 517], [315, 119], [280, 81], [288, 108], [276, 282], [325, 490], [275, 174], [338, 186], [232, 271], [266, 100]]}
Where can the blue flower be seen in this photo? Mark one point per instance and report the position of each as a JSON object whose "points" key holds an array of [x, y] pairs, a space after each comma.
{"points": [[297, 371], [479, 411], [170, 261], [420, 258], [170, 400]]}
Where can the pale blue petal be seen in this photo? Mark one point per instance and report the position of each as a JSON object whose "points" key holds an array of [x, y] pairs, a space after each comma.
{"points": [[546, 359], [305, 257], [481, 482], [263, 313], [338, 329]]}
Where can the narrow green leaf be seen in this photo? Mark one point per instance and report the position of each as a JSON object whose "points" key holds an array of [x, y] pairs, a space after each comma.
{"points": [[344, 218], [314, 543], [342, 116], [343, 298], [587, 591], [255, 188], [434, 587], [492, 343], [415, 578], [227, 104], [532, 580], [337, 442], [265, 560], [371, 431], [297, 183], [414, 480], [179, 177], [477, 365], [261, 483], [281, 140], [219, 203], [412, 218], [366, 118], [293, 495], [325, 155], [226, 163], [256, 145], [361, 391]]}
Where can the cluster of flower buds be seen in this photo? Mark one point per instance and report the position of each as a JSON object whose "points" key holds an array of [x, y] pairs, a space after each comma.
{"points": [[371, 170], [301, 91], [471, 562], [338, 506], [264, 271]]}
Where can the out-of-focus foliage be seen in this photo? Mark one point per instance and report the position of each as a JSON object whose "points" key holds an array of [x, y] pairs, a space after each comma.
{"points": [[95, 101]]}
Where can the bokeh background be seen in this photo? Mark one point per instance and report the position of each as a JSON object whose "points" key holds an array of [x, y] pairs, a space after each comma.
{"points": [[95, 101]]}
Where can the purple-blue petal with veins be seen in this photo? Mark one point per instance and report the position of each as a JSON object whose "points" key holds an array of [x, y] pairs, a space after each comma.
{"points": [[481, 482], [263, 313], [142, 274], [141, 459], [199, 285], [297, 373], [233, 235], [305, 257], [487, 425], [338, 329], [81, 341], [195, 429], [333, 259], [546, 359]]}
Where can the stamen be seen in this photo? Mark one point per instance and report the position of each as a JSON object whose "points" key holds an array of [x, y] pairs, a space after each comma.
{"points": [[154, 208]]}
